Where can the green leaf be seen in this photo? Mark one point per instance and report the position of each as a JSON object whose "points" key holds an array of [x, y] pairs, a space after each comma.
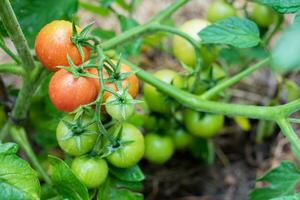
{"points": [[133, 47], [17, 179], [119, 190], [34, 14], [8, 148], [203, 149], [103, 33], [128, 174], [241, 33], [285, 53], [67, 184], [282, 6], [282, 182]]}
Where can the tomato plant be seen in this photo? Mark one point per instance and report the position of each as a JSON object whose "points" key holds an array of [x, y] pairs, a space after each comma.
{"points": [[91, 171], [130, 146], [76, 138], [157, 101], [203, 125], [158, 149], [182, 49], [219, 10], [94, 84], [53, 44], [68, 92], [263, 15]]}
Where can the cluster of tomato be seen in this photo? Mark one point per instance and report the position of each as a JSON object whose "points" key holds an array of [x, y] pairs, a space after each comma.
{"points": [[170, 126], [70, 89]]}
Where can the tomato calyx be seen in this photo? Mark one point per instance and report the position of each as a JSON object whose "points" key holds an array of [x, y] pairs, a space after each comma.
{"points": [[81, 39], [77, 128]]}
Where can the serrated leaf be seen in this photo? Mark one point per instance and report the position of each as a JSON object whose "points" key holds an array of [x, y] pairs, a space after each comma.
{"points": [[282, 182], [119, 190], [282, 6], [34, 14], [17, 179], [66, 183], [241, 33]]}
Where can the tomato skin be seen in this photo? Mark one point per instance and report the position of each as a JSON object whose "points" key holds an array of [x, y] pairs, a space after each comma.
{"points": [[121, 111], [132, 81], [91, 171], [130, 154], [202, 126], [181, 139], [219, 10], [70, 145], [68, 93], [53, 44], [158, 149], [182, 49], [263, 15], [155, 99]]}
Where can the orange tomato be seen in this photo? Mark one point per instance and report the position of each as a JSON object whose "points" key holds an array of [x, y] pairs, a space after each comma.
{"points": [[68, 93], [132, 81], [53, 44]]}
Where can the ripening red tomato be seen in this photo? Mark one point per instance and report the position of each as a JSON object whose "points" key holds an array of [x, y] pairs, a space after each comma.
{"points": [[131, 80], [53, 44], [67, 92]]}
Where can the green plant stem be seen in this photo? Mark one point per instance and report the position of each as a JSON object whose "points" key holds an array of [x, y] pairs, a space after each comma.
{"points": [[9, 52], [93, 9], [19, 135], [11, 68], [289, 133], [139, 30], [163, 14], [195, 102], [233, 80], [14, 31]]}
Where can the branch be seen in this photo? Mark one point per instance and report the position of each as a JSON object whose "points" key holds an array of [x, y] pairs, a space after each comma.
{"points": [[14, 31], [9, 52], [12, 68], [196, 103], [233, 80], [289, 133]]}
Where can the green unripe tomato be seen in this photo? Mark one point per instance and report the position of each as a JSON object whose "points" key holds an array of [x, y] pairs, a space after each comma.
{"points": [[158, 149], [219, 10], [182, 49], [181, 139], [91, 171], [119, 108], [155, 99], [130, 153], [203, 125], [76, 141], [262, 15]]}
